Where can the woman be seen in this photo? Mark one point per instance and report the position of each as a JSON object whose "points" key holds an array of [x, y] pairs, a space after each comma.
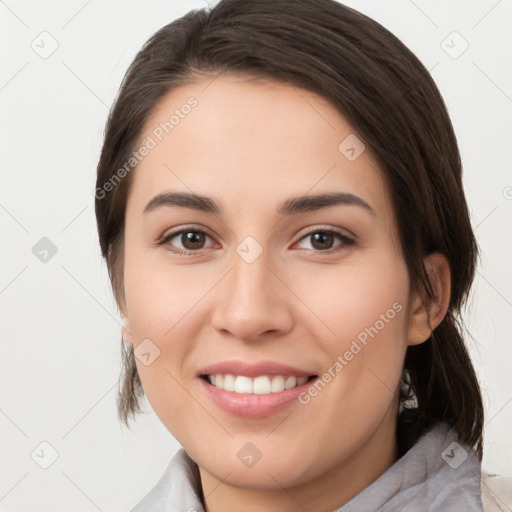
{"points": [[279, 200]]}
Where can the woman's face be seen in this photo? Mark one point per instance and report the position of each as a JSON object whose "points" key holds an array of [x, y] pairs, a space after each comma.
{"points": [[319, 287]]}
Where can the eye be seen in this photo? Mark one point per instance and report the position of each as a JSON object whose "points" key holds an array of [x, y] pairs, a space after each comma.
{"points": [[192, 240], [322, 240]]}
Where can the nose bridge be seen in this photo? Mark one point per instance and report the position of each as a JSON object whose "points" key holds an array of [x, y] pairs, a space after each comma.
{"points": [[251, 274], [252, 299]]}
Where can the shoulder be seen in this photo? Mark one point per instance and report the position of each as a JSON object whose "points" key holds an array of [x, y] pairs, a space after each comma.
{"points": [[496, 492]]}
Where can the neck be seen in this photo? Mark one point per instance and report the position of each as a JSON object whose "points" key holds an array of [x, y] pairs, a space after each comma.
{"points": [[332, 490]]}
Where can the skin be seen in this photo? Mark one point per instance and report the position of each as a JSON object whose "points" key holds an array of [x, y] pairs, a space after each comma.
{"points": [[251, 145]]}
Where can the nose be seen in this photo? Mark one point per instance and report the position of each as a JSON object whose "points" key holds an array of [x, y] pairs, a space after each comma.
{"points": [[253, 302]]}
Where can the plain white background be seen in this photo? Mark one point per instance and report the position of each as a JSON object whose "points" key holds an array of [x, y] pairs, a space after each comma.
{"points": [[60, 329]]}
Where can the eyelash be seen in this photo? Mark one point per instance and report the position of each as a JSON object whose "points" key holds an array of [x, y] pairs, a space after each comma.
{"points": [[346, 241]]}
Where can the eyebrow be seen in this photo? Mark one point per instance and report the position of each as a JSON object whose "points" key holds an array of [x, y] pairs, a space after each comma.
{"points": [[292, 206]]}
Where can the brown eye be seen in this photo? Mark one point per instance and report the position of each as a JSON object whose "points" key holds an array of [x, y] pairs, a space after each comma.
{"points": [[191, 240], [323, 240]]}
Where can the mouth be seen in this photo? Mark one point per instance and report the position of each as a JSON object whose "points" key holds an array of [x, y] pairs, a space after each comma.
{"points": [[254, 389], [260, 385], [259, 397]]}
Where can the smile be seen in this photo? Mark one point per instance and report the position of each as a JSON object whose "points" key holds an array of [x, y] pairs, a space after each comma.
{"points": [[261, 385]]}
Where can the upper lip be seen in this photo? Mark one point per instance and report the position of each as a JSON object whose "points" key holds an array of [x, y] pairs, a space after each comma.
{"points": [[238, 367]]}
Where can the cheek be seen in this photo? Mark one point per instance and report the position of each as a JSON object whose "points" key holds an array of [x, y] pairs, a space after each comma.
{"points": [[359, 302], [158, 312], [158, 303], [364, 330], [160, 308], [157, 293]]}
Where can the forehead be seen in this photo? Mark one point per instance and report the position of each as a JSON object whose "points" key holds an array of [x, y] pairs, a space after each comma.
{"points": [[255, 143]]}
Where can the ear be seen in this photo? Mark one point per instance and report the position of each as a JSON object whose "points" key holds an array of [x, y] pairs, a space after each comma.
{"points": [[425, 318]]}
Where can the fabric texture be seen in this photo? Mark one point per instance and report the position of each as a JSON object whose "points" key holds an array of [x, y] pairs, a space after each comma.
{"points": [[434, 474]]}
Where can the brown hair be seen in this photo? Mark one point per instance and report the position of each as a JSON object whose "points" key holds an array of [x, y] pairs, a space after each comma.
{"points": [[388, 96]]}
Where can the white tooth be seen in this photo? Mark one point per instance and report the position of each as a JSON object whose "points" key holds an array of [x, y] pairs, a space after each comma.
{"points": [[301, 380], [290, 383], [219, 381], [243, 384], [277, 384], [261, 385], [212, 379], [229, 382]]}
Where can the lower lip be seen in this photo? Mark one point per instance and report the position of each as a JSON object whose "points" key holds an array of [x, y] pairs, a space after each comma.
{"points": [[251, 405]]}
